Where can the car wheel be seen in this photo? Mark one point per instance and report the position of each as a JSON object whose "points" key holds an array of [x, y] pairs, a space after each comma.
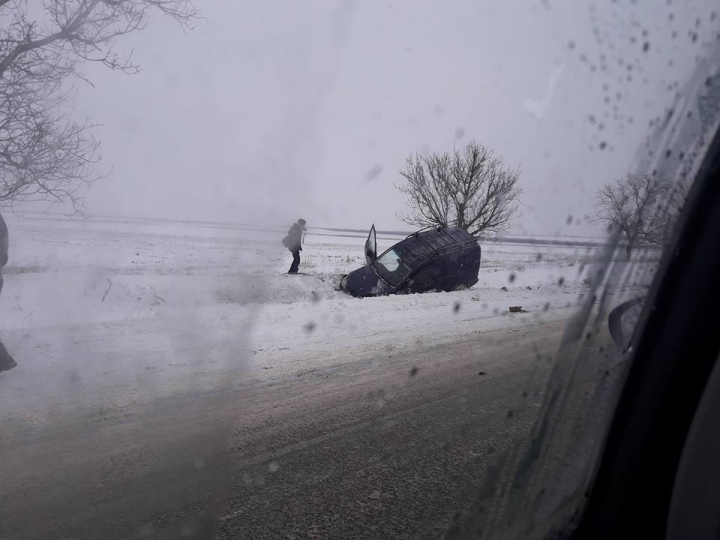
{"points": [[461, 287]]}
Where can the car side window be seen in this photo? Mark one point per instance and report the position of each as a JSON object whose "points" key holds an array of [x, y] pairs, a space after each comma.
{"points": [[453, 256]]}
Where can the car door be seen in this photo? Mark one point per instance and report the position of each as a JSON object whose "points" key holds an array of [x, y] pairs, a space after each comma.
{"points": [[424, 280], [371, 245], [449, 271]]}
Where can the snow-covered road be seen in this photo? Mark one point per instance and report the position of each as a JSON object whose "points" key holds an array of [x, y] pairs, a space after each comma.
{"points": [[97, 455]]}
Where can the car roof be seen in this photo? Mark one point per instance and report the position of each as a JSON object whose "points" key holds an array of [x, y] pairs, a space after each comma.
{"points": [[425, 243]]}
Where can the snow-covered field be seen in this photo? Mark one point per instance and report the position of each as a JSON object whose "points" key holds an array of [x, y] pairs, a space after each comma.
{"points": [[72, 271], [111, 300]]}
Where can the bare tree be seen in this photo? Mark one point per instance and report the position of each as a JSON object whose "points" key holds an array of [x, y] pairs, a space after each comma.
{"points": [[469, 188], [644, 208], [46, 155]]}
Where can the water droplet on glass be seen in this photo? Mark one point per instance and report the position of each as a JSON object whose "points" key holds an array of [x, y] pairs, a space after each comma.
{"points": [[373, 173], [309, 327]]}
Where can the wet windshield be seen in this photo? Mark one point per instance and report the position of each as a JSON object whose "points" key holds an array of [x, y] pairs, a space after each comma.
{"points": [[187, 187], [391, 267]]}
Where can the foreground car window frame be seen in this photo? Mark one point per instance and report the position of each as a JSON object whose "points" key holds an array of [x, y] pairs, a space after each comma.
{"points": [[674, 351]]}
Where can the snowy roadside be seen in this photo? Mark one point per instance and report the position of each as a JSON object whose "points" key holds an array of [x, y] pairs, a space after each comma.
{"points": [[136, 313], [157, 335], [71, 272]]}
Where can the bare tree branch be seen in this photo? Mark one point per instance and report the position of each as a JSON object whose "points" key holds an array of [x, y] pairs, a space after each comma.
{"points": [[644, 208], [468, 188], [44, 153]]}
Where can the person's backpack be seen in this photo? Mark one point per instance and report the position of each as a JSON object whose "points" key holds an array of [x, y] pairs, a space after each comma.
{"points": [[288, 240]]}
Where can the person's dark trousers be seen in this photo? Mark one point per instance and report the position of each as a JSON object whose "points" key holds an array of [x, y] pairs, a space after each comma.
{"points": [[6, 361], [296, 262]]}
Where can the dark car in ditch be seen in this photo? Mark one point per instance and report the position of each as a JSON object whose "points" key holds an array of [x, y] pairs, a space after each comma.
{"points": [[436, 259]]}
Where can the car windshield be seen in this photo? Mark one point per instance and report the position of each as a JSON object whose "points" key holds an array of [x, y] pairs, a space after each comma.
{"points": [[191, 343], [391, 267]]}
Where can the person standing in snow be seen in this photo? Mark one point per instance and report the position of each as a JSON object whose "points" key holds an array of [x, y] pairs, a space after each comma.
{"points": [[293, 241], [6, 361]]}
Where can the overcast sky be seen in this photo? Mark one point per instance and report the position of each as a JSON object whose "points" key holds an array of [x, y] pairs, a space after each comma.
{"points": [[269, 111]]}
